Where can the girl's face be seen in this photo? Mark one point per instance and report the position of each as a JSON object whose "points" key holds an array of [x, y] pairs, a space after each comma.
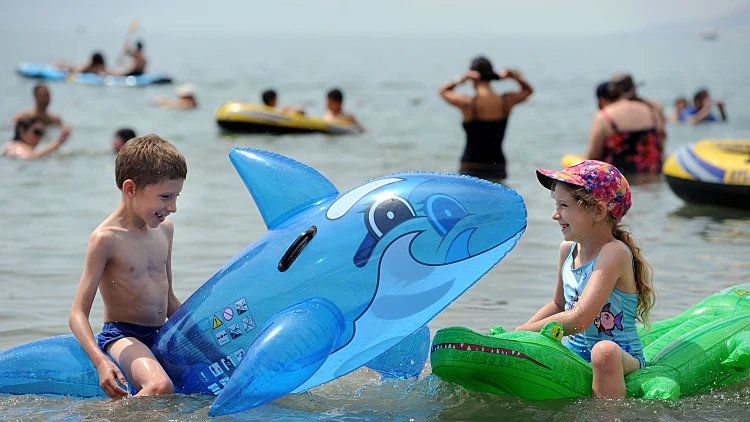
{"points": [[574, 221], [33, 135]]}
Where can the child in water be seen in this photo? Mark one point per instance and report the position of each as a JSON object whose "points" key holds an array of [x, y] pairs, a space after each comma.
{"points": [[129, 260], [603, 282]]}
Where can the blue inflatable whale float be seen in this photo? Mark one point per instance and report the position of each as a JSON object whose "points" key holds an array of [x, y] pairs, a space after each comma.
{"points": [[339, 281]]}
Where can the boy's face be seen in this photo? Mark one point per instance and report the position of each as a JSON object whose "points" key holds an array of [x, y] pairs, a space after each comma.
{"points": [[153, 203]]}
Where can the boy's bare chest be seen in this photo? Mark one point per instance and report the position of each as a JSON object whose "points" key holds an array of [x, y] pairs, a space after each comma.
{"points": [[146, 258]]}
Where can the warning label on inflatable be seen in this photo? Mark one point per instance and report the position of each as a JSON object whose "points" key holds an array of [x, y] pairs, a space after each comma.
{"points": [[241, 306], [222, 337], [248, 323], [217, 322]]}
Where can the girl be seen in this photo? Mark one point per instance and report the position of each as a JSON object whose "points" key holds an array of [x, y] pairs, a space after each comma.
{"points": [[603, 282], [29, 133]]}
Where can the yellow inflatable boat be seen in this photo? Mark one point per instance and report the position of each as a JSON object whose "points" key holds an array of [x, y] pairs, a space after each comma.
{"points": [[711, 172], [256, 118]]}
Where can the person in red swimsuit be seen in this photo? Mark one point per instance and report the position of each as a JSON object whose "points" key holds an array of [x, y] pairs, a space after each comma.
{"points": [[627, 132]]}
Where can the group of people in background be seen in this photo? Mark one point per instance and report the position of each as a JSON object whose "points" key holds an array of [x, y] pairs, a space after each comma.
{"points": [[701, 110], [334, 107], [31, 125], [97, 64], [627, 131]]}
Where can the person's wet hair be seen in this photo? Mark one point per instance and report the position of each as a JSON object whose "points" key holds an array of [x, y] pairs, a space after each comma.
{"points": [[607, 91], [139, 45], [700, 95], [336, 95], [125, 134], [482, 65], [25, 124], [39, 87], [268, 96], [97, 58]]}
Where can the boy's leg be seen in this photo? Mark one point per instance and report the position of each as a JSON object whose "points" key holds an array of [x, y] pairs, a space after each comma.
{"points": [[610, 364], [140, 367]]}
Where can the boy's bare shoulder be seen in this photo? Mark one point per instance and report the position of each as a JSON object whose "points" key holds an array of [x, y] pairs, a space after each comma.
{"points": [[103, 239], [168, 228]]}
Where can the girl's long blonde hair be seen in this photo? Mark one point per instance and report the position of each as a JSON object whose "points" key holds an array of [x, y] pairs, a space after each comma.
{"points": [[643, 271]]}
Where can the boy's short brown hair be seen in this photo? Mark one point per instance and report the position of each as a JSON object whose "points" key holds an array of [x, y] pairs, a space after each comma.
{"points": [[148, 160]]}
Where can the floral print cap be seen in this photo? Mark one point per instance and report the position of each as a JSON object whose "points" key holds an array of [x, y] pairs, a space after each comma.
{"points": [[602, 180]]}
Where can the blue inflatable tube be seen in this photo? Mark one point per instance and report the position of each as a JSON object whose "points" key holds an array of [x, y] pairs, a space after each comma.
{"points": [[339, 281], [52, 73]]}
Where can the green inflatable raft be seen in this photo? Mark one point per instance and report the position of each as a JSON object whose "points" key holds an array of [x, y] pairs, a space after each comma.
{"points": [[706, 347]]}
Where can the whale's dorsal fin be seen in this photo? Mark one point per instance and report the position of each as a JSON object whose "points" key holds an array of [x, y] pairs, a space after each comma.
{"points": [[280, 186]]}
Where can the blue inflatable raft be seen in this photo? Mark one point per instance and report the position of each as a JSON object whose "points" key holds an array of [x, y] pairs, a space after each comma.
{"points": [[52, 73]]}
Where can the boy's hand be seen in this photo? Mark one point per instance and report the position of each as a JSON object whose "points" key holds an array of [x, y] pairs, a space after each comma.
{"points": [[109, 374]]}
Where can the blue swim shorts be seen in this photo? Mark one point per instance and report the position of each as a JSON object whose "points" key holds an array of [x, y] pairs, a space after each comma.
{"points": [[116, 330]]}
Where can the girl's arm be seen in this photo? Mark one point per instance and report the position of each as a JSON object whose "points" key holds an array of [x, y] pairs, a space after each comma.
{"points": [[557, 304], [613, 262]]}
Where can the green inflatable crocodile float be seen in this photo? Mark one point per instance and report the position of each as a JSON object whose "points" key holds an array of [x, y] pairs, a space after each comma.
{"points": [[705, 347]]}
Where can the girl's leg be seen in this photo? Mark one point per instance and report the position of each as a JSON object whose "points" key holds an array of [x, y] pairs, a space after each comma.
{"points": [[611, 364]]}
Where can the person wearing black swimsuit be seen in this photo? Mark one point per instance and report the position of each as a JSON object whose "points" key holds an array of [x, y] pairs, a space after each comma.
{"points": [[485, 118]]}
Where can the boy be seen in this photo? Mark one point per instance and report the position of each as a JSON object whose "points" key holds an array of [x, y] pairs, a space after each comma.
{"points": [[335, 113], [129, 259], [270, 98]]}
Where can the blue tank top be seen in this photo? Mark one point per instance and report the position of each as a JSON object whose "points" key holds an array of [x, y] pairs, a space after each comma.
{"points": [[615, 322]]}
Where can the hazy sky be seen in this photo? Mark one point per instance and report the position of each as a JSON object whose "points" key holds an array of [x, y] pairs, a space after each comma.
{"points": [[278, 17]]}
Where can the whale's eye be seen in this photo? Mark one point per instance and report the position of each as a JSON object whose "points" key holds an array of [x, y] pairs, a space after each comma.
{"points": [[444, 212], [387, 214]]}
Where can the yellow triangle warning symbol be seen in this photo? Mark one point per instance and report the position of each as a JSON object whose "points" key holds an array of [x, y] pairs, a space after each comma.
{"points": [[217, 322]]}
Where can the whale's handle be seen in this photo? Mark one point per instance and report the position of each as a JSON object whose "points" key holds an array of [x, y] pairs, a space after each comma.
{"points": [[288, 350], [296, 248]]}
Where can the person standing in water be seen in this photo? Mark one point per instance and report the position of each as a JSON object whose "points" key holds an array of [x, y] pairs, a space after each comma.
{"points": [[485, 117], [628, 132]]}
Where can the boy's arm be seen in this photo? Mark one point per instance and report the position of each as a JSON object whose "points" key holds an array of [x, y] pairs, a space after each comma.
{"points": [[101, 245], [172, 302]]}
